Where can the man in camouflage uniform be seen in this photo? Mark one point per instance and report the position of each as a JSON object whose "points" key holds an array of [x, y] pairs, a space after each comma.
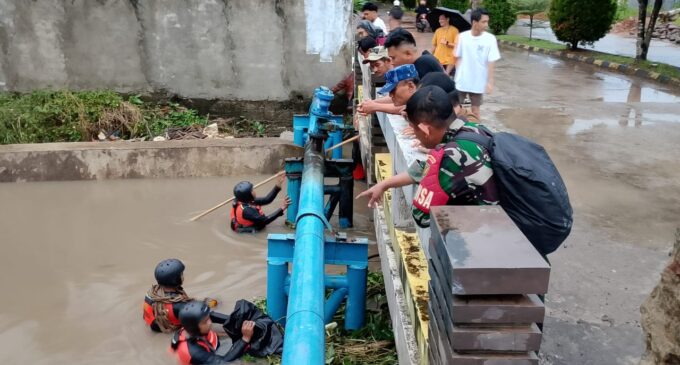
{"points": [[456, 172]]}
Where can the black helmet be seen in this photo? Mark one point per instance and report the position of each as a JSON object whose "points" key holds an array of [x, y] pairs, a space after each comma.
{"points": [[243, 192], [192, 314], [169, 273]]}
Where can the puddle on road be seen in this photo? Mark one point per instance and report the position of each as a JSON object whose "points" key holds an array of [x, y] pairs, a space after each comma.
{"points": [[549, 61], [619, 90], [633, 118]]}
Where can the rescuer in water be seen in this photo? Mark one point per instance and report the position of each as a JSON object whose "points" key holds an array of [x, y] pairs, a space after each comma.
{"points": [[165, 300], [246, 212], [197, 343]]}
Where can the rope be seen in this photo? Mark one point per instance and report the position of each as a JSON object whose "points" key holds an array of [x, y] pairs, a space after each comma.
{"points": [[160, 298]]}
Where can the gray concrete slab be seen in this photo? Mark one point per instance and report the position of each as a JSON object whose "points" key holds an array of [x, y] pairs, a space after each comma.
{"points": [[485, 252], [498, 309], [518, 338], [492, 309], [500, 359]]}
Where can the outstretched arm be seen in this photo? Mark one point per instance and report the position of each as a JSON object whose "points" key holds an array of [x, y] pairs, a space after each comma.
{"points": [[269, 198], [375, 193], [260, 220]]}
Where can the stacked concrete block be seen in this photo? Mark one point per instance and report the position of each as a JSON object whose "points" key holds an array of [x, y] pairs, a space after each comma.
{"points": [[485, 278]]}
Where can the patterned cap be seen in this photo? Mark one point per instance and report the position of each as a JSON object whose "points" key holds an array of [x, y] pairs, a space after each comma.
{"points": [[376, 53], [397, 74]]}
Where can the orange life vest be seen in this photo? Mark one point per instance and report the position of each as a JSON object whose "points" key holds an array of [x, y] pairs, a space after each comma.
{"points": [[237, 220], [150, 316], [180, 346]]}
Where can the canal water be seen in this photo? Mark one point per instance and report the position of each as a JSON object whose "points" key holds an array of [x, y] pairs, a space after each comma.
{"points": [[78, 257]]}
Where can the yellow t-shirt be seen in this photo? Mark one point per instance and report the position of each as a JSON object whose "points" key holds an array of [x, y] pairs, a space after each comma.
{"points": [[442, 52]]}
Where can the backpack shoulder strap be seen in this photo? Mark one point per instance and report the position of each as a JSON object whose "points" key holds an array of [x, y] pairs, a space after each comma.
{"points": [[480, 139]]}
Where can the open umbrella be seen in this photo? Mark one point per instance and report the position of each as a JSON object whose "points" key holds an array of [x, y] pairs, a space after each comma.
{"points": [[456, 19]]}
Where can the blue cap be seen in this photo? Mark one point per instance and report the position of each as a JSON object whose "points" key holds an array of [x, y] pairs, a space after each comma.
{"points": [[400, 73]]}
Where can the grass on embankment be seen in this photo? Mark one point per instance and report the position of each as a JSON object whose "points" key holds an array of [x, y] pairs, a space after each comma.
{"points": [[661, 68], [70, 116]]}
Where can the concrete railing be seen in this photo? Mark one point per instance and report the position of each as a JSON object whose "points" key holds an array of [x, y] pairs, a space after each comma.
{"points": [[120, 160]]}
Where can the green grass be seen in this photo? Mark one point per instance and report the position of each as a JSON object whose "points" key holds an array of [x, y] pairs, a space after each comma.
{"points": [[534, 42], [623, 13], [661, 68], [677, 22], [69, 116]]}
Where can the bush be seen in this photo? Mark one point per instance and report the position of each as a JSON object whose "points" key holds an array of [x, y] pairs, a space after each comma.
{"points": [[46, 116], [581, 21], [501, 15], [66, 116], [358, 4], [460, 5]]}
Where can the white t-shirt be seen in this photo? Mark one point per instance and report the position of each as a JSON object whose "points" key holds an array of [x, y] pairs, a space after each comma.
{"points": [[380, 24], [475, 54]]}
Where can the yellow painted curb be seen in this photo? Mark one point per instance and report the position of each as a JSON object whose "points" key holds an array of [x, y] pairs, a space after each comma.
{"points": [[411, 262]]}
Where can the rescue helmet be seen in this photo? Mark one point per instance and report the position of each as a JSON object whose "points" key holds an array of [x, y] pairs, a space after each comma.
{"points": [[192, 314], [243, 192], [169, 273]]}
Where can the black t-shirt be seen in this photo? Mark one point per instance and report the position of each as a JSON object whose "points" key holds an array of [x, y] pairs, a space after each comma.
{"points": [[427, 63], [422, 9]]}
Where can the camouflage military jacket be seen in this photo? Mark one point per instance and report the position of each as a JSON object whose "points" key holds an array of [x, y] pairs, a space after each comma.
{"points": [[465, 172]]}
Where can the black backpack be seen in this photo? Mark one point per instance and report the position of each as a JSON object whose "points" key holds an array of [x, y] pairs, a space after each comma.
{"points": [[530, 188]]}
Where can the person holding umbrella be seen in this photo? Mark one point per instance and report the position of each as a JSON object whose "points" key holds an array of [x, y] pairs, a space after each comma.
{"points": [[444, 42]]}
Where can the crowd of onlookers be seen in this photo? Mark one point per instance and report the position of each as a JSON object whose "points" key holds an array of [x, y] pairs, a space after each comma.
{"points": [[466, 163]]}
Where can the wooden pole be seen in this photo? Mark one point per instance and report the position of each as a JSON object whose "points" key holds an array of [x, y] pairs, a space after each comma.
{"points": [[264, 182], [232, 198], [348, 140]]}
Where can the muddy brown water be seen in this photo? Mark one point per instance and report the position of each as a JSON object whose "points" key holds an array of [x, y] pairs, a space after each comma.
{"points": [[78, 257]]}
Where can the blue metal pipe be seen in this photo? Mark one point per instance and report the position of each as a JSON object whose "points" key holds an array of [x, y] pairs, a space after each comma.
{"points": [[356, 299], [330, 282], [305, 335], [336, 281], [333, 303], [293, 169], [277, 273]]}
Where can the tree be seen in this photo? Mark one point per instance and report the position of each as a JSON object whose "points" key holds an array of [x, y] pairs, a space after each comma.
{"points": [[530, 8], [460, 5], [644, 37], [581, 21], [501, 15]]}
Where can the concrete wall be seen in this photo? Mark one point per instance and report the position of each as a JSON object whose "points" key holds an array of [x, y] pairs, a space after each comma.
{"points": [[226, 49], [118, 160]]}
